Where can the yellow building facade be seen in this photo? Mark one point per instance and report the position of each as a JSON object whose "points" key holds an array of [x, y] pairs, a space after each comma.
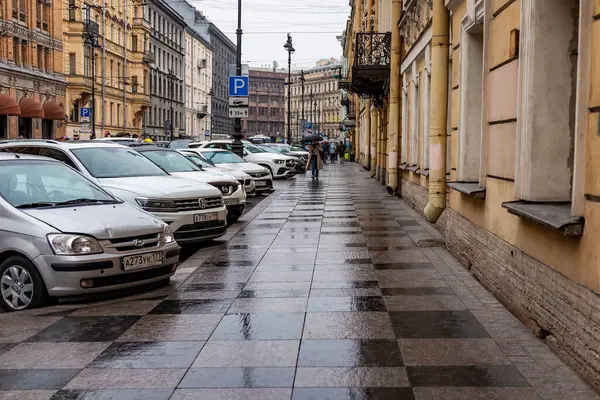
{"points": [[106, 58], [489, 126]]}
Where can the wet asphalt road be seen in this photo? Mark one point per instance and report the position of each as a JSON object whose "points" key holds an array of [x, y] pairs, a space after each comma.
{"points": [[325, 290]]}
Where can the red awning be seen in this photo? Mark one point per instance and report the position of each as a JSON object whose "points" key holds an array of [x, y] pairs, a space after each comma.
{"points": [[52, 110], [31, 108], [8, 105]]}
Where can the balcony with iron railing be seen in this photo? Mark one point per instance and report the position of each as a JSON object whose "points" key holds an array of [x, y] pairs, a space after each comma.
{"points": [[371, 66]]}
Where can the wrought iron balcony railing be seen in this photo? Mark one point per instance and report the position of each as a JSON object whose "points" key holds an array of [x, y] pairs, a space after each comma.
{"points": [[371, 68]]}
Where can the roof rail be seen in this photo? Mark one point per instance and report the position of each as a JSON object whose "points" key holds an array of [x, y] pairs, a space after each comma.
{"points": [[30, 140]]}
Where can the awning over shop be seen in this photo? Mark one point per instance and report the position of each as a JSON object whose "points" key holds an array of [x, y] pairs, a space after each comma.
{"points": [[31, 108], [52, 110], [8, 105]]}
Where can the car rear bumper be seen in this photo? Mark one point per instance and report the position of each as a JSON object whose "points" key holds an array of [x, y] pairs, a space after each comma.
{"points": [[79, 275]]}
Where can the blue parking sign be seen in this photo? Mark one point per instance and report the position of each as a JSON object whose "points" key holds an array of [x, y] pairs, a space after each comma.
{"points": [[84, 112], [238, 86]]}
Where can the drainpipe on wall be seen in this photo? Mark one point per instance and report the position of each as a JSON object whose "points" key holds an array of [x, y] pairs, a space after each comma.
{"points": [[125, 79], [373, 139], [395, 83], [368, 144], [438, 112], [103, 67]]}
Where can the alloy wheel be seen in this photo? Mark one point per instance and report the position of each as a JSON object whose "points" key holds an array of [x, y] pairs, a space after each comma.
{"points": [[16, 286]]}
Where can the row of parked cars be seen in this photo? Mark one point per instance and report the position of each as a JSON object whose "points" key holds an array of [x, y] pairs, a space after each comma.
{"points": [[83, 217]]}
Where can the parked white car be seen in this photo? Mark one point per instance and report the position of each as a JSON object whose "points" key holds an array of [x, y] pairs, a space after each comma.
{"points": [[243, 178], [195, 211], [226, 159], [62, 235], [175, 163], [280, 165]]}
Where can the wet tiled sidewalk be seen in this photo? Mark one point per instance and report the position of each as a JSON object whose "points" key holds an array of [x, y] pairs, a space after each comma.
{"points": [[328, 290]]}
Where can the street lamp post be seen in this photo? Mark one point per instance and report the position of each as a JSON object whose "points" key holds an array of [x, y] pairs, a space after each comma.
{"points": [[237, 147], [171, 77], [290, 49], [91, 39]]}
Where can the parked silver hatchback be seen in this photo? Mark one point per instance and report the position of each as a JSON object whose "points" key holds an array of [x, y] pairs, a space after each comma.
{"points": [[62, 235]]}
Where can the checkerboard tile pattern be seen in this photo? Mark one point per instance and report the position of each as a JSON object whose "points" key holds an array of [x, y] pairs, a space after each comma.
{"points": [[321, 292]]}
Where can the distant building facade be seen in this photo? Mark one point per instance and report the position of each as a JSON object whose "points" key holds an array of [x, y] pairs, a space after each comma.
{"points": [[198, 84], [167, 74], [321, 104], [223, 55], [266, 113], [32, 82]]}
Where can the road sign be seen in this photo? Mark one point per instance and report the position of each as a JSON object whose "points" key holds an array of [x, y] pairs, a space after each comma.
{"points": [[233, 69], [238, 112], [238, 86], [84, 114], [309, 125], [238, 101]]}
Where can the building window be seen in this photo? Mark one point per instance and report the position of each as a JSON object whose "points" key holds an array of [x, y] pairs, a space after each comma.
{"points": [[38, 14], [40, 58], [16, 59], [118, 115], [134, 43], [72, 63], [24, 58], [71, 10], [118, 75], [45, 16], [110, 110], [112, 73], [15, 9], [48, 60], [22, 10], [87, 61], [134, 84]]}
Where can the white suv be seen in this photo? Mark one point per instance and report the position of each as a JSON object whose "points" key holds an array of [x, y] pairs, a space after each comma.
{"points": [[194, 210], [280, 165]]}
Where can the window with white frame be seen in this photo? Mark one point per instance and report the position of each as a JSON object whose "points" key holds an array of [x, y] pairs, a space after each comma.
{"points": [[414, 118], [404, 144]]}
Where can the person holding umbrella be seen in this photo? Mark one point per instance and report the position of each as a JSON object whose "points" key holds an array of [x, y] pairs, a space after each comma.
{"points": [[315, 162]]}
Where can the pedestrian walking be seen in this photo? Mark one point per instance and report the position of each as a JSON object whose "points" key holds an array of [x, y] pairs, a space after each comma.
{"points": [[332, 152], [315, 162], [342, 152]]}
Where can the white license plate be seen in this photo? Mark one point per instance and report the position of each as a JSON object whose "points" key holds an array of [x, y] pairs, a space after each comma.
{"points": [[232, 202], [143, 260], [205, 217], [261, 183]]}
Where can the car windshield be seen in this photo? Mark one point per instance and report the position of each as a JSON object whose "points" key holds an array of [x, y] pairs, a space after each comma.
{"points": [[250, 148], [270, 149], [222, 157], [116, 162], [170, 161], [37, 183], [294, 148], [196, 159], [179, 144]]}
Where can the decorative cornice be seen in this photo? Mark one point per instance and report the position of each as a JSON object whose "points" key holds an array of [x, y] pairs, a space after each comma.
{"points": [[13, 28], [453, 4]]}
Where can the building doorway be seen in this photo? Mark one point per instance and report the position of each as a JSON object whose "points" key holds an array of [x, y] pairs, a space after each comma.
{"points": [[47, 129], [25, 128], [3, 127]]}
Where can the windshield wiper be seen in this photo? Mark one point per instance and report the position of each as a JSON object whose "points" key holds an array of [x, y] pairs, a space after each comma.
{"points": [[38, 204], [84, 200]]}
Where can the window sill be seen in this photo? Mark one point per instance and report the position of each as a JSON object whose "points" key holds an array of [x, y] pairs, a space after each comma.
{"points": [[424, 172], [403, 166], [412, 168], [556, 216], [471, 189]]}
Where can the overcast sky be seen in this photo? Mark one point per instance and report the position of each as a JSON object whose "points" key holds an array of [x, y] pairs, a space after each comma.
{"points": [[314, 25]]}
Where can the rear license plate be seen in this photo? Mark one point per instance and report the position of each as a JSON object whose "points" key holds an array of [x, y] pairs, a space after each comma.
{"points": [[232, 202], [205, 217], [261, 183], [143, 260]]}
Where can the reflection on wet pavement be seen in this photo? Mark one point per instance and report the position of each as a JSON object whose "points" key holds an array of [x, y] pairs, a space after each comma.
{"points": [[324, 290]]}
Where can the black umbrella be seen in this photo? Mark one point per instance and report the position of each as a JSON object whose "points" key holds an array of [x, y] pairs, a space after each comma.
{"points": [[313, 138]]}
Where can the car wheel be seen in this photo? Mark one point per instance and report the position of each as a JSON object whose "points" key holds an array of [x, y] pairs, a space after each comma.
{"points": [[21, 285]]}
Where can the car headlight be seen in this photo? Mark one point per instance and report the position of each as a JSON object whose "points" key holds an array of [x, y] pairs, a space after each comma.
{"points": [[156, 205], [168, 235], [279, 161], [73, 245]]}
